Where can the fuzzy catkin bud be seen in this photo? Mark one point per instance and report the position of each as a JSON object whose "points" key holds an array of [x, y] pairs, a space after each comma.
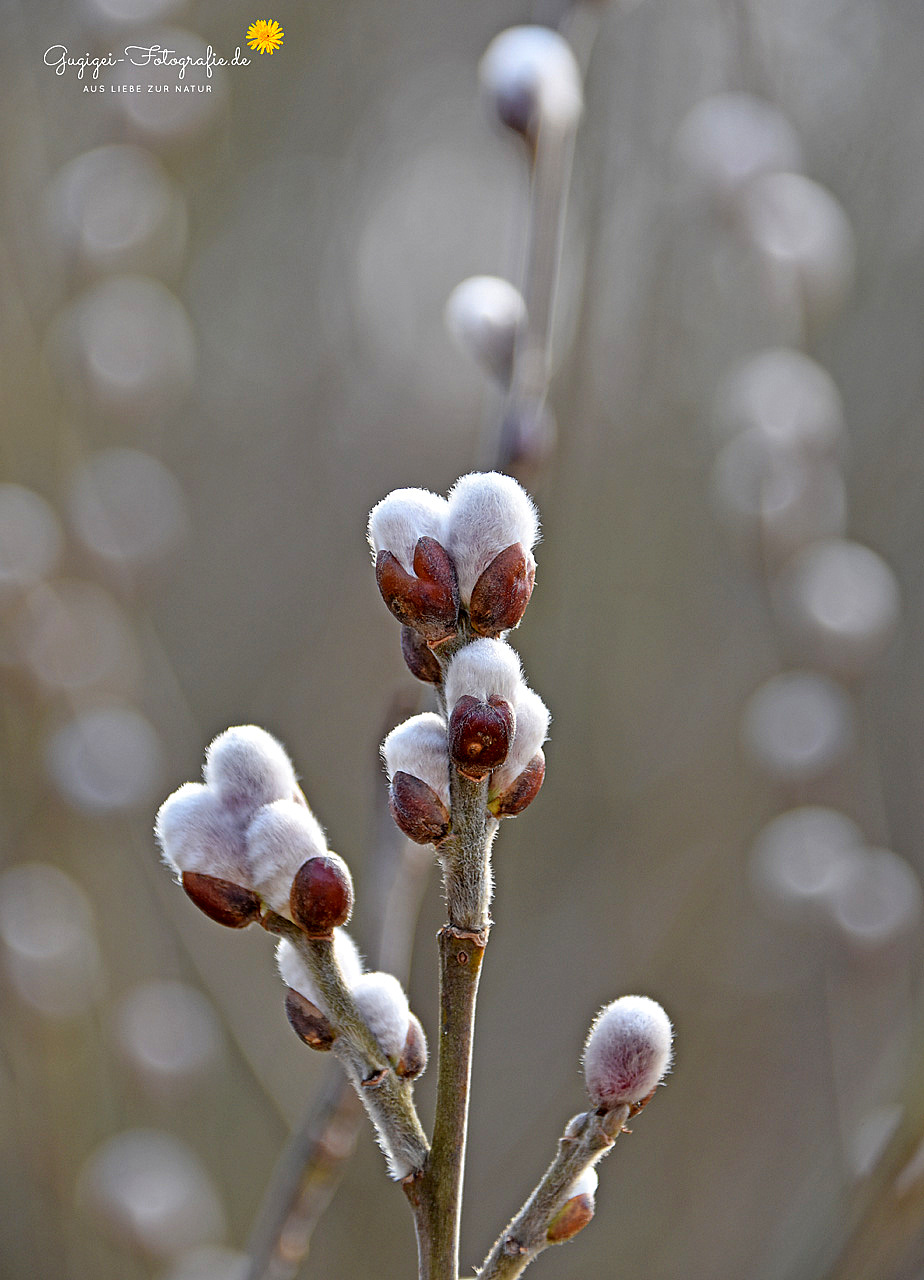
{"points": [[628, 1052], [532, 79], [418, 746], [484, 669], [532, 727], [382, 1002], [402, 518], [488, 513], [280, 839], [484, 314], [199, 833], [248, 768]]}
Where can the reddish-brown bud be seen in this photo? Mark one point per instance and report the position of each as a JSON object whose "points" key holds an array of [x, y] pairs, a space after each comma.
{"points": [[221, 900], [428, 598], [322, 895], [308, 1022], [501, 594], [414, 1056], [522, 791], [480, 734], [571, 1218], [417, 809], [420, 660]]}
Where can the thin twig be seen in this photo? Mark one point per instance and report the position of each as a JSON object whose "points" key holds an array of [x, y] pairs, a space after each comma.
{"points": [[586, 1139]]}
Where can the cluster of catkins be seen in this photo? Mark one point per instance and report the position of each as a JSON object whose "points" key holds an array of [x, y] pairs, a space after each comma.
{"points": [[244, 842], [457, 572]]}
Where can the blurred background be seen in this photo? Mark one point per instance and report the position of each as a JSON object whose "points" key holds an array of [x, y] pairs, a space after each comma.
{"points": [[222, 343]]}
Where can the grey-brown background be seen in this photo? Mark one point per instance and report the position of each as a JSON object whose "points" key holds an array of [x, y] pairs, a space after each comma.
{"points": [[340, 191]]}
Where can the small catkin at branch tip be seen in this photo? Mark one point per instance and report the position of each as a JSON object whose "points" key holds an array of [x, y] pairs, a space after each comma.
{"points": [[628, 1052]]}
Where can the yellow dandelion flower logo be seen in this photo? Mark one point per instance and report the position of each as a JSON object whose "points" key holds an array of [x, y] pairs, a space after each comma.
{"points": [[264, 35]]}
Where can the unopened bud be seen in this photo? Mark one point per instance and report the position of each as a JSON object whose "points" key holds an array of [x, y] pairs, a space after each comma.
{"points": [[225, 903], [419, 657], [501, 594], [516, 783], [577, 1210], [484, 314], [521, 792], [402, 518], [248, 768], [482, 669], [382, 1002], [321, 898], [532, 79], [418, 747], [488, 513], [480, 734], [282, 837], [413, 1059], [198, 832], [308, 1022], [417, 809], [627, 1053], [428, 598]]}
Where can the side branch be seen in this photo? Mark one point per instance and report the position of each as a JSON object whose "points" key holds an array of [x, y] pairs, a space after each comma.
{"points": [[437, 1196], [586, 1139], [387, 1098]]}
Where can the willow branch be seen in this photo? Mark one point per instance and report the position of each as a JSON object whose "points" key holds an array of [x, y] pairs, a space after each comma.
{"points": [[387, 1099], [587, 1138]]}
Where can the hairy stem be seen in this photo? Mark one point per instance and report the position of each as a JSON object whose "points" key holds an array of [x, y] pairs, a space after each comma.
{"points": [[588, 1137], [387, 1099]]}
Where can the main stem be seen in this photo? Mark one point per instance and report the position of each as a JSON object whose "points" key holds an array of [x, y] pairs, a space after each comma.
{"points": [[436, 1195]]}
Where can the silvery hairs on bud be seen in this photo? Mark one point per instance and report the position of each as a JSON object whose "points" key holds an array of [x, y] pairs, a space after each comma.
{"points": [[484, 669], [488, 512], [281, 837], [402, 518], [532, 727], [484, 315], [381, 1000], [249, 768], [418, 747], [628, 1051], [532, 78], [296, 974]]}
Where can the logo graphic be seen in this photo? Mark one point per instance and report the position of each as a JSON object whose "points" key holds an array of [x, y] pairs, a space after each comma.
{"points": [[265, 36]]}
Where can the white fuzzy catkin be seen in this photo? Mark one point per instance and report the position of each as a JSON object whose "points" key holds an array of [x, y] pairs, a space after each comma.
{"points": [[484, 669], [534, 65], [248, 768], [419, 747], [628, 1051], [532, 728], [484, 314], [296, 974], [402, 518], [381, 1000], [585, 1184], [281, 837], [198, 832], [488, 512]]}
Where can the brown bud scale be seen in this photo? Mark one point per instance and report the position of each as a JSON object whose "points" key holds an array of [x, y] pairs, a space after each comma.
{"points": [[571, 1218], [501, 594], [480, 734], [221, 900], [308, 1022], [321, 898], [417, 809], [428, 598], [522, 791], [421, 661]]}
